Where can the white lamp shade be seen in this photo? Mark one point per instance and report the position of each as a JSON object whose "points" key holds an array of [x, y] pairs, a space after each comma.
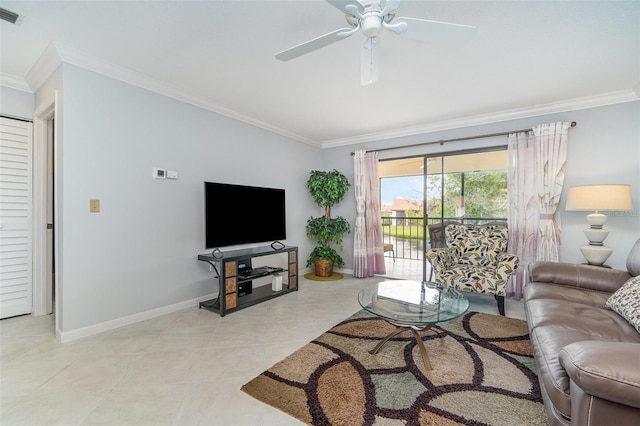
{"points": [[599, 197]]}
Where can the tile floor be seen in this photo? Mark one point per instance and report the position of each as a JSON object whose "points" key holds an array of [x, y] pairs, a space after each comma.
{"points": [[185, 368]]}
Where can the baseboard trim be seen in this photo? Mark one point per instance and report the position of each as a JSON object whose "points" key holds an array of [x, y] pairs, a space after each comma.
{"points": [[91, 330]]}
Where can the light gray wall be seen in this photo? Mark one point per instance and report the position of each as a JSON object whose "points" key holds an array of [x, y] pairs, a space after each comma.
{"points": [[139, 253], [603, 148], [16, 103]]}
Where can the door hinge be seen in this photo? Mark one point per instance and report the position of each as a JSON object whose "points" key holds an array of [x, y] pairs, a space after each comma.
{"points": [[49, 225]]}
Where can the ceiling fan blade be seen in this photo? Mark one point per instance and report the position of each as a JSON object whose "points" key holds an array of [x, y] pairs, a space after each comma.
{"points": [[315, 44], [369, 60], [437, 32], [342, 4], [389, 6]]}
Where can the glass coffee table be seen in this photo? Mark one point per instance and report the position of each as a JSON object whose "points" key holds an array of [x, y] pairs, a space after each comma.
{"points": [[412, 305]]}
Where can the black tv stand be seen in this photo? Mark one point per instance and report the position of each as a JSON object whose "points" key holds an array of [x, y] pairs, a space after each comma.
{"points": [[235, 274]]}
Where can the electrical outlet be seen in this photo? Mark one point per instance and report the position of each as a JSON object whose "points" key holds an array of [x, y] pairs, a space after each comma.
{"points": [[94, 206]]}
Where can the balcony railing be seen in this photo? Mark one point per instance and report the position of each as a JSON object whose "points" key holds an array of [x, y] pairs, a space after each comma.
{"points": [[406, 233]]}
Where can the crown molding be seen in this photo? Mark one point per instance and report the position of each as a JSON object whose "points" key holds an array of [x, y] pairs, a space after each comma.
{"points": [[497, 117], [47, 63], [55, 54], [14, 82]]}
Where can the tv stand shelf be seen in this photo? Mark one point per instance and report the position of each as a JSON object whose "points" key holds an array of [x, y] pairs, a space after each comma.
{"points": [[235, 274], [263, 271]]}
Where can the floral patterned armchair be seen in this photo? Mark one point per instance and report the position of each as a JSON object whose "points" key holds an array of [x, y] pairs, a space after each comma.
{"points": [[475, 259]]}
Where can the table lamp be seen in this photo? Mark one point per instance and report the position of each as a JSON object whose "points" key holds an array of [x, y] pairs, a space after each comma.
{"points": [[595, 198]]}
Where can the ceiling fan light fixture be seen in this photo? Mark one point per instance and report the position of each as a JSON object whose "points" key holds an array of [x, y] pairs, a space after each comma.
{"points": [[371, 24]]}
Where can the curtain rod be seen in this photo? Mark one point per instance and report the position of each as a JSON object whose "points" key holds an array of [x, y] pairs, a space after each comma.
{"points": [[443, 141]]}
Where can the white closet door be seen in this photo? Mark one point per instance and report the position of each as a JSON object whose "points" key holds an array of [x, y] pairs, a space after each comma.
{"points": [[15, 217]]}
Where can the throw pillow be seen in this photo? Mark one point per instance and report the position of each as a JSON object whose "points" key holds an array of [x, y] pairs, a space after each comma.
{"points": [[633, 261], [626, 302]]}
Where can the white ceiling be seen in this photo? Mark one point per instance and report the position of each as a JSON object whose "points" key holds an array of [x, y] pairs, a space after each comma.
{"points": [[527, 58]]}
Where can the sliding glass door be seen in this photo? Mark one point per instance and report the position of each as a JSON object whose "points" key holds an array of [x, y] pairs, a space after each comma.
{"points": [[421, 194]]}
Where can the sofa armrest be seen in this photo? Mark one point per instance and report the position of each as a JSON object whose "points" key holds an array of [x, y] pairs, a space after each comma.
{"points": [[582, 276], [607, 370]]}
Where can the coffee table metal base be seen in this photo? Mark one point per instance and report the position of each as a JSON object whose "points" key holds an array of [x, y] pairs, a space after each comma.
{"points": [[401, 327]]}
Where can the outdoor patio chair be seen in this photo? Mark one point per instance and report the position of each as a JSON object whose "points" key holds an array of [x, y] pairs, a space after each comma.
{"points": [[475, 259], [389, 247]]}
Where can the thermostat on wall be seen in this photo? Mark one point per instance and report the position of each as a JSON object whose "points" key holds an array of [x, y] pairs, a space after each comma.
{"points": [[159, 173]]}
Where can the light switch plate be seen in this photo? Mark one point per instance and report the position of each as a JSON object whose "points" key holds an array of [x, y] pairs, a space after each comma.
{"points": [[94, 205]]}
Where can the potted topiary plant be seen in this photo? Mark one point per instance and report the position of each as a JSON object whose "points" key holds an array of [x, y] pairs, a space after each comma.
{"points": [[327, 190]]}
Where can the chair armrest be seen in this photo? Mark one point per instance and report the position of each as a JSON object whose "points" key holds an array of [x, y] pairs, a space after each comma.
{"points": [[605, 369], [441, 258], [580, 276]]}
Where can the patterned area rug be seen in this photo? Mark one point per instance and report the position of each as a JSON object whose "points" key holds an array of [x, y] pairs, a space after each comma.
{"points": [[482, 374]]}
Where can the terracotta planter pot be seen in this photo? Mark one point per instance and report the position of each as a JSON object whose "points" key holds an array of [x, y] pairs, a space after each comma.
{"points": [[324, 267]]}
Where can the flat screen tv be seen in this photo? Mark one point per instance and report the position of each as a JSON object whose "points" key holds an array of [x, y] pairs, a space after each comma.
{"points": [[239, 214]]}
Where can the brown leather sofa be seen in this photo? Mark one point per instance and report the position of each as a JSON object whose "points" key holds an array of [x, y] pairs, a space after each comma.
{"points": [[587, 356]]}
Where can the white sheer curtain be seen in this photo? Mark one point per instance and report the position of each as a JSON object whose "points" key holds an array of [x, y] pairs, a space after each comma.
{"points": [[523, 207], [368, 254], [551, 141], [536, 174]]}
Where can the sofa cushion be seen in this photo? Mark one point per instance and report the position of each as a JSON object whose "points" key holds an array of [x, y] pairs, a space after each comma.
{"points": [[626, 302], [547, 343], [598, 323], [566, 293]]}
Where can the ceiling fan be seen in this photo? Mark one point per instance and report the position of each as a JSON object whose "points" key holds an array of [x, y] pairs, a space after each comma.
{"points": [[371, 16]]}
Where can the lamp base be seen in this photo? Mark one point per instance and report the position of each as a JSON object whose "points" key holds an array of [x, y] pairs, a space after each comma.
{"points": [[596, 236], [596, 220], [596, 255]]}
